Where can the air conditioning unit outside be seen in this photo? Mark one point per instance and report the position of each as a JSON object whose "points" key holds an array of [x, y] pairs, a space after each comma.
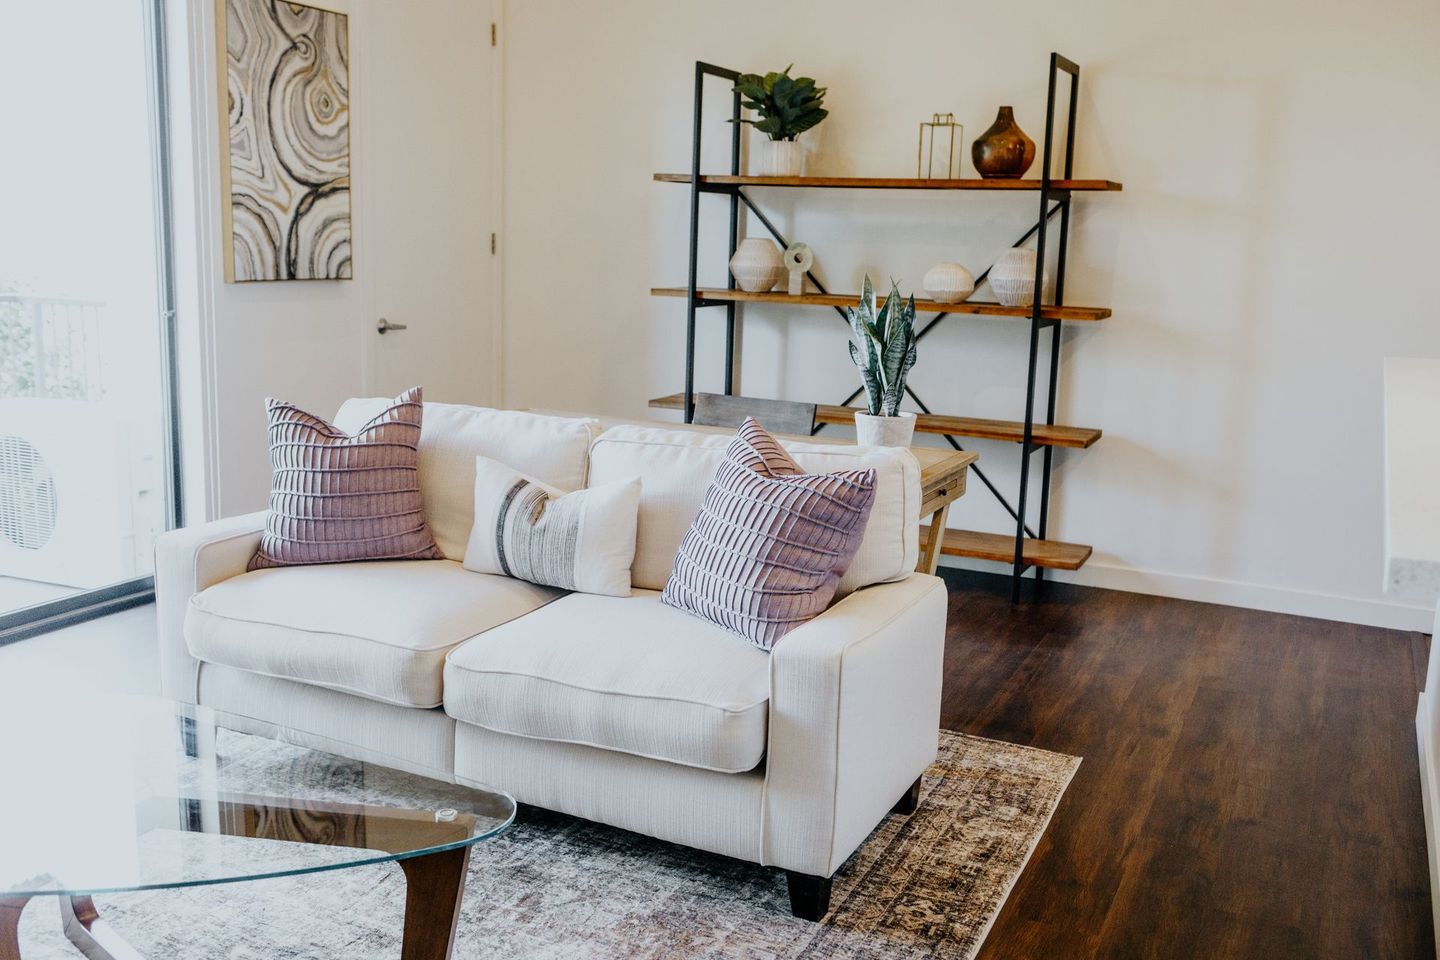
{"points": [[68, 494]]}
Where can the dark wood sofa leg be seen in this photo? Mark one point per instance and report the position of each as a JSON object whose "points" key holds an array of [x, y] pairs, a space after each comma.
{"points": [[809, 895], [910, 802]]}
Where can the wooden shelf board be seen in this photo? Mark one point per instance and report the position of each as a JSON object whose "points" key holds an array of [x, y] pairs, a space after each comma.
{"points": [[980, 307], [1000, 547], [1008, 430], [891, 183]]}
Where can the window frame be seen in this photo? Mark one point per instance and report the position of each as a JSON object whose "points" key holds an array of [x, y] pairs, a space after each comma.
{"points": [[90, 604]]}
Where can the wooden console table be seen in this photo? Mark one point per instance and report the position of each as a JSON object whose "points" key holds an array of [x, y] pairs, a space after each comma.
{"points": [[942, 482]]}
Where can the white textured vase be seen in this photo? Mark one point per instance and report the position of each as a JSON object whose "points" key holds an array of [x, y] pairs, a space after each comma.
{"points": [[756, 265], [1013, 277], [780, 158], [948, 283], [896, 431]]}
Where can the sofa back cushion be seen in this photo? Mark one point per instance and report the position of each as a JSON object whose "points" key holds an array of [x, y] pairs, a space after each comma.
{"points": [[550, 449], [676, 467], [771, 543]]}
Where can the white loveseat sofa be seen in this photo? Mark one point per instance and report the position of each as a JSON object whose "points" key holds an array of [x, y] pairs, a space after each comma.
{"points": [[622, 711]]}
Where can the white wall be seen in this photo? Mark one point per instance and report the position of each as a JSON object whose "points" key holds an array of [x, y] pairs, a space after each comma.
{"points": [[1270, 247], [314, 342], [298, 340]]}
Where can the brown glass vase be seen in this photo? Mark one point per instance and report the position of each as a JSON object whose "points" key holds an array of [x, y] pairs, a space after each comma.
{"points": [[1003, 152]]}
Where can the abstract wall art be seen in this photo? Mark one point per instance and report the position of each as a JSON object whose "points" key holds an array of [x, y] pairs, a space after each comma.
{"points": [[285, 157]]}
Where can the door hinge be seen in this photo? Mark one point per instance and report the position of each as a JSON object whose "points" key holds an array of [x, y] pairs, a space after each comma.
{"points": [[492, 243], [493, 32]]}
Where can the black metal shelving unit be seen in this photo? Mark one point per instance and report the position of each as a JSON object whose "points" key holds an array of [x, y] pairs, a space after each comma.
{"points": [[1031, 549]]}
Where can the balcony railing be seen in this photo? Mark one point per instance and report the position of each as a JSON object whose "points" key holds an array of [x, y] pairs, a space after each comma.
{"points": [[50, 348]]}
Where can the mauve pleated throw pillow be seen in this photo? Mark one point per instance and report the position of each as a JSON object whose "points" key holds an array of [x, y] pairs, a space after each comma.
{"points": [[771, 542], [335, 497]]}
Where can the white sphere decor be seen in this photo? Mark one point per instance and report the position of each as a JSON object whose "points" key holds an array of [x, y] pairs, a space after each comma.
{"points": [[1013, 277], [948, 283], [757, 266]]}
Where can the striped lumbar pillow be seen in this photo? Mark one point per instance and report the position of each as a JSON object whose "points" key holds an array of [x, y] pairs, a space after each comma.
{"points": [[771, 542], [335, 497], [584, 540]]}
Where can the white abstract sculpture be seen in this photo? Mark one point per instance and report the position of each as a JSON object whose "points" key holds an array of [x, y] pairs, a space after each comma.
{"points": [[798, 260]]}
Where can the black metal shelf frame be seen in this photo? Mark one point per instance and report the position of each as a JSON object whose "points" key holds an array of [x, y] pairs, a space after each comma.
{"points": [[1053, 201]]}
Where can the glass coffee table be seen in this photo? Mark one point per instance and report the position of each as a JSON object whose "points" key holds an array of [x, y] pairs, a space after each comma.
{"points": [[133, 793]]}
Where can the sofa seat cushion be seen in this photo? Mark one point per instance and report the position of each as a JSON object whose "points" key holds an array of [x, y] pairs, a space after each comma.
{"points": [[619, 673], [378, 629]]}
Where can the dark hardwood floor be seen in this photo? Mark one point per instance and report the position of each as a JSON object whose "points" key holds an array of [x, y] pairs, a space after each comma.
{"points": [[1249, 787]]}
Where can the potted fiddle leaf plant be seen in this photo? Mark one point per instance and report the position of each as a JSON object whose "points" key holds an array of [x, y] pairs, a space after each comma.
{"points": [[882, 344], [784, 107]]}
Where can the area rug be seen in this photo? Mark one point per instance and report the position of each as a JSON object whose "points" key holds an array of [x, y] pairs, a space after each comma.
{"points": [[557, 888]]}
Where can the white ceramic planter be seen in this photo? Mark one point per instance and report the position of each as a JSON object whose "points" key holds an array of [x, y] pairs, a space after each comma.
{"points": [[1013, 277], [757, 265], [884, 431], [948, 283], [781, 158]]}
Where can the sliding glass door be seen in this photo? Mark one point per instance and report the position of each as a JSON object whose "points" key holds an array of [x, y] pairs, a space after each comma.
{"points": [[86, 448]]}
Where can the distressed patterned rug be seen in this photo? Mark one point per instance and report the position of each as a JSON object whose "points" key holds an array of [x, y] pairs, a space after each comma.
{"points": [[927, 885]]}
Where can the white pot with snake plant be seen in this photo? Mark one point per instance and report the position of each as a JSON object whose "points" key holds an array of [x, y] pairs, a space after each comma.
{"points": [[882, 344]]}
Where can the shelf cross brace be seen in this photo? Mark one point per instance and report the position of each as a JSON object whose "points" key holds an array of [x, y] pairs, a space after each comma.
{"points": [[974, 468]]}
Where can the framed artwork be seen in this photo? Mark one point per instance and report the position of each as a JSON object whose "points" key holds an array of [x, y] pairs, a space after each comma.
{"points": [[285, 144]]}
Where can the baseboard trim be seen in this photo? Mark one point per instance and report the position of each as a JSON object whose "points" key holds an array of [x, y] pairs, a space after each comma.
{"points": [[1229, 593], [1428, 798]]}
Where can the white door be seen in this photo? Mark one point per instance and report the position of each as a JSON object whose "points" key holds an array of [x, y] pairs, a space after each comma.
{"points": [[428, 128]]}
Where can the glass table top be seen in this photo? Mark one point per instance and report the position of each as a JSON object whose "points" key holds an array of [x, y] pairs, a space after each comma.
{"points": [[135, 793]]}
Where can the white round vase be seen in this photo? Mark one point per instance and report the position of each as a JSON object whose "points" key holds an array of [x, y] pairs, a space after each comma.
{"points": [[1013, 277], [948, 283], [896, 431], [781, 158], [756, 265]]}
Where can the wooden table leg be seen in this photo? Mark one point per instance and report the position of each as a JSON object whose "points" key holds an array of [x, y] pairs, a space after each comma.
{"points": [[934, 540], [91, 935], [10, 909], [434, 885]]}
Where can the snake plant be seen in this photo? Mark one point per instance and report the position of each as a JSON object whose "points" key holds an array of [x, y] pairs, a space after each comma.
{"points": [[788, 106], [883, 347]]}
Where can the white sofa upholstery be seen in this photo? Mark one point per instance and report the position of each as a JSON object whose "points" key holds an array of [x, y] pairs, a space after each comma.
{"points": [[379, 629], [618, 673], [620, 710]]}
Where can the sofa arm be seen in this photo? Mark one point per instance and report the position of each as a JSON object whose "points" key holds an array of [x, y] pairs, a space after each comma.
{"points": [[187, 561], [854, 720]]}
